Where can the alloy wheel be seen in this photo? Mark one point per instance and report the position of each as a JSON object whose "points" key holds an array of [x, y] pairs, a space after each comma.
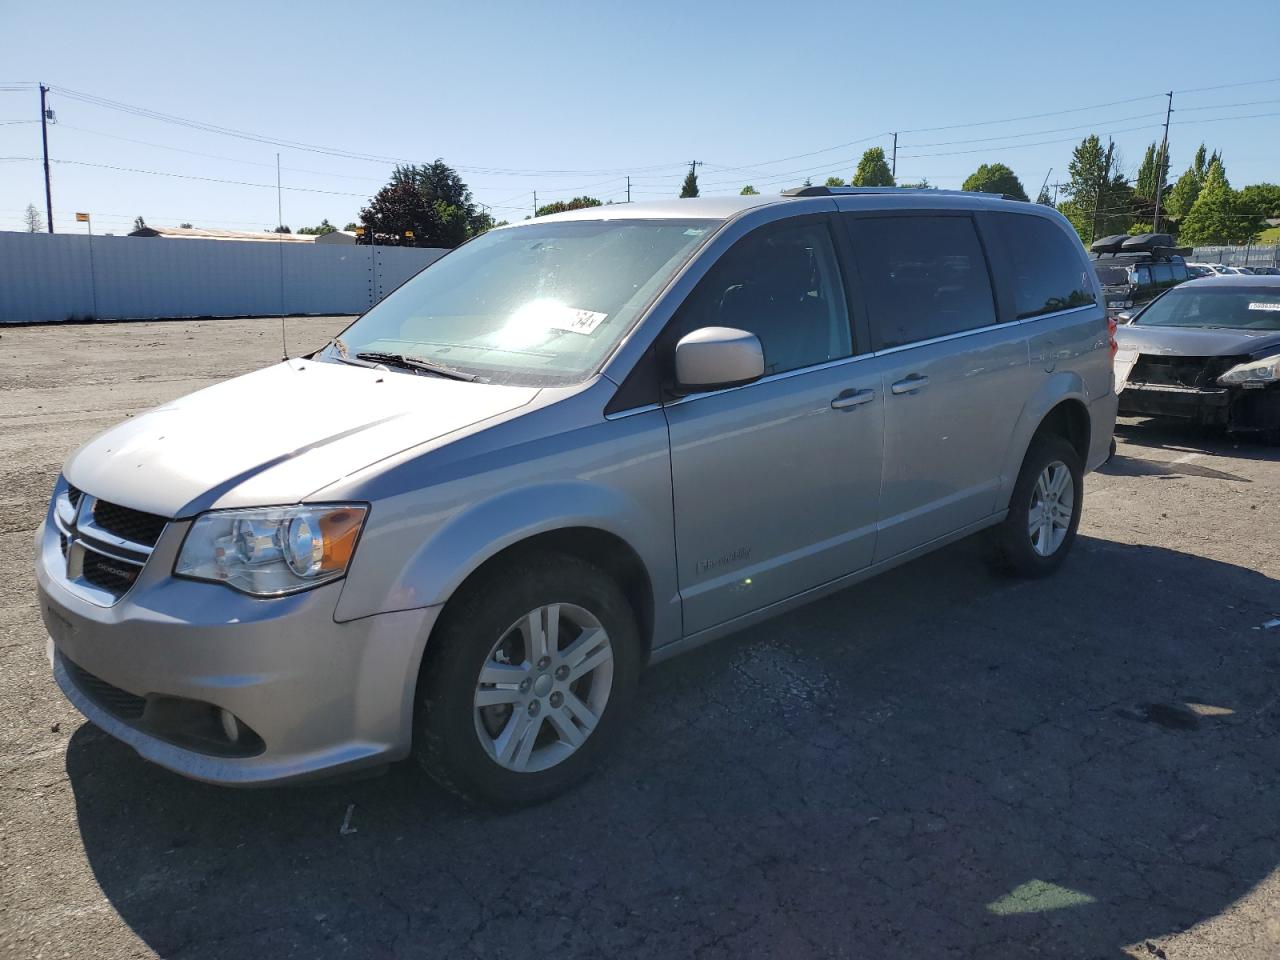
{"points": [[1052, 507], [543, 687]]}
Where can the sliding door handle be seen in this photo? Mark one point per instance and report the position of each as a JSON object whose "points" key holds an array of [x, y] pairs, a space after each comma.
{"points": [[848, 399], [910, 385]]}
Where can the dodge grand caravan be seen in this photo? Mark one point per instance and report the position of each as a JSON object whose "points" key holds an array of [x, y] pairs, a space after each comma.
{"points": [[569, 448]]}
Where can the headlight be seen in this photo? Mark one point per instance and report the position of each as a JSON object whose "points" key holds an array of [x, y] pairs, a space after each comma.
{"points": [[1256, 373], [269, 551]]}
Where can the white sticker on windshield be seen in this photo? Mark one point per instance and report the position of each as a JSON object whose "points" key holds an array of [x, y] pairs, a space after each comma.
{"points": [[1264, 306], [575, 321]]}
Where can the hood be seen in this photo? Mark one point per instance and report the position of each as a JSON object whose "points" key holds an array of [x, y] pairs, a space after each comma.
{"points": [[276, 435], [1198, 341]]}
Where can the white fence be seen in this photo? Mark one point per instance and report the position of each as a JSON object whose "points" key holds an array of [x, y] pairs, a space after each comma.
{"points": [[51, 277]]}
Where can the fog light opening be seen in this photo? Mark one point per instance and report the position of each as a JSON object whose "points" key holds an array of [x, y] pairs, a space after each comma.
{"points": [[230, 725]]}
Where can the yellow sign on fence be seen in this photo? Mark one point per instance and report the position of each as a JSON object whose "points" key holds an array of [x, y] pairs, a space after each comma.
{"points": [[82, 218]]}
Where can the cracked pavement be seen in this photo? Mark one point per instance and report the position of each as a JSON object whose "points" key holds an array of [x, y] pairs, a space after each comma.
{"points": [[936, 763]]}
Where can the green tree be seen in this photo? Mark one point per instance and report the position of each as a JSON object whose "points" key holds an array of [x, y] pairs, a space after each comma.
{"points": [[1043, 197], [324, 227], [1182, 197], [690, 186], [835, 182], [560, 206], [995, 178], [873, 170], [748, 191], [1098, 195], [283, 228], [922, 184], [1218, 216], [428, 200], [1262, 199], [351, 227], [1149, 179]]}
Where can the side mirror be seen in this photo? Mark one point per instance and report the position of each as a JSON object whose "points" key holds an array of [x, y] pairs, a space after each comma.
{"points": [[1124, 316], [714, 357]]}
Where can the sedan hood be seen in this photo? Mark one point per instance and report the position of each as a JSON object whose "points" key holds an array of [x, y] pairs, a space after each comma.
{"points": [[276, 435], [1198, 341]]}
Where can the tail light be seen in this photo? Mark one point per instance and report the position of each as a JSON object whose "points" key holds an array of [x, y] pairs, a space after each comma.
{"points": [[1112, 327]]}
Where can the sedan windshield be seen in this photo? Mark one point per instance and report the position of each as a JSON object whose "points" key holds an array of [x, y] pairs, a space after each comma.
{"points": [[539, 304], [1237, 308]]}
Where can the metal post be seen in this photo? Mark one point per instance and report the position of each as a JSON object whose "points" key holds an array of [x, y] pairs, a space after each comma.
{"points": [[893, 169], [44, 137], [628, 189], [1160, 167], [93, 274]]}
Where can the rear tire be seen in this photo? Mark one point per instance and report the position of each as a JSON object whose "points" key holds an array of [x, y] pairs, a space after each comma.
{"points": [[506, 714], [1044, 511]]}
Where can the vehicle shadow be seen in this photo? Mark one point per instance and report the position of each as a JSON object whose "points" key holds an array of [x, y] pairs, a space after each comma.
{"points": [[937, 762], [1181, 437]]}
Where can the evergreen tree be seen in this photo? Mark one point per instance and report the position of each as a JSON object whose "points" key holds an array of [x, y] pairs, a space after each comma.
{"points": [[873, 170], [1098, 195], [1146, 184], [1182, 197], [748, 191], [1218, 216], [690, 186]]}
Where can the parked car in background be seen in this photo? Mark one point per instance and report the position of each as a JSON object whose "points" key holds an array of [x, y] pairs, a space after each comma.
{"points": [[568, 448], [1207, 352], [1134, 270], [1197, 270]]}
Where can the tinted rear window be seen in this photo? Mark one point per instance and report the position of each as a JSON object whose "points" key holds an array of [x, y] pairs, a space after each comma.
{"points": [[1046, 266], [924, 277]]}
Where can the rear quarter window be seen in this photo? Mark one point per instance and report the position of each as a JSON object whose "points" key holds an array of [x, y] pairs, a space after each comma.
{"points": [[1044, 265]]}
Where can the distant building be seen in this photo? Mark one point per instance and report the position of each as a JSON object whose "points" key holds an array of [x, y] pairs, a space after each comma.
{"points": [[338, 236], [199, 233]]}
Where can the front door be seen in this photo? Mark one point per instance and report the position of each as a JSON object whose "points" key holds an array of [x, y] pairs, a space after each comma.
{"points": [[776, 483]]}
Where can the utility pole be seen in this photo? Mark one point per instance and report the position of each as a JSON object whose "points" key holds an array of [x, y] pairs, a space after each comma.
{"points": [[45, 112], [628, 189], [1044, 187], [535, 203], [893, 168], [1160, 167]]}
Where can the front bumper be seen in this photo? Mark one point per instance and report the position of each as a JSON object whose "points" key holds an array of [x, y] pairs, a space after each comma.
{"points": [[1235, 409], [320, 697]]}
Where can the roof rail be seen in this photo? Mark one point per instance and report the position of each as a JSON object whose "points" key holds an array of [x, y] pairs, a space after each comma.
{"points": [[853, 191]]}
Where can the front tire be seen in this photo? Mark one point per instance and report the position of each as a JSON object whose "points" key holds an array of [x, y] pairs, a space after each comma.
{"points": [[526, 680], [1044, 511]]}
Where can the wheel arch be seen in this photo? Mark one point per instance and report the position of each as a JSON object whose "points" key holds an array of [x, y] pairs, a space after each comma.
{"points": [[1060, 407]]}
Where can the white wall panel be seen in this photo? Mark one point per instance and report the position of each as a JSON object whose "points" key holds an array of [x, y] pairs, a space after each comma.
{"points": [[46, 277]]}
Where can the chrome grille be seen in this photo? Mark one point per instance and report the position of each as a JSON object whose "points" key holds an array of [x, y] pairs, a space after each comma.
{"points": [[104, 545]]}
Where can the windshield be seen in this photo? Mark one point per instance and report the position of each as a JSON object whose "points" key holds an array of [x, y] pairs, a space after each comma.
{"points": [[1239, 308], [535, 305], [1111, 276]]}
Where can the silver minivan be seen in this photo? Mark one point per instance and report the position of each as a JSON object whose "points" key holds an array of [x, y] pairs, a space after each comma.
{"points": [[567, 449]]}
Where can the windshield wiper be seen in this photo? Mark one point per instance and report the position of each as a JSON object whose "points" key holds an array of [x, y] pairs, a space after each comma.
{"points": [[416, 363], [340, 354]]}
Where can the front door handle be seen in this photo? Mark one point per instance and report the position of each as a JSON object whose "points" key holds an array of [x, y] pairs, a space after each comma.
{"points": [[848, 399], [910, 385]]}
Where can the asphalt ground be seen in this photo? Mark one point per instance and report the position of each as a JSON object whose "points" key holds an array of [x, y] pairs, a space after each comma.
{"points": [[937, 763]]}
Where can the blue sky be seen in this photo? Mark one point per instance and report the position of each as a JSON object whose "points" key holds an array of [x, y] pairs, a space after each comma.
{"points": [[567, 98]]}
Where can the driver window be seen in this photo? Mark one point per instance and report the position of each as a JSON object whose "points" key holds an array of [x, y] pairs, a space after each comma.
{"points": [[782, 283]]}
